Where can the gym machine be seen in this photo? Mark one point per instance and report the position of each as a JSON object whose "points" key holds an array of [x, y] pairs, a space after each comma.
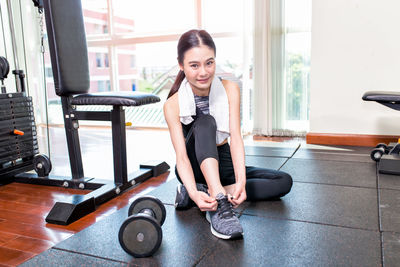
{"points": [[19, 150], [387, 155], [69, 58]]}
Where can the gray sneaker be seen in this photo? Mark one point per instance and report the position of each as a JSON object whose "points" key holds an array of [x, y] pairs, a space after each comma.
{"points": [[223, 221], [182, 199]]}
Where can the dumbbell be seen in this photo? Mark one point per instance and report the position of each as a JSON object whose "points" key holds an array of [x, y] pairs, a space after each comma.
{"points": [[140, 234]]}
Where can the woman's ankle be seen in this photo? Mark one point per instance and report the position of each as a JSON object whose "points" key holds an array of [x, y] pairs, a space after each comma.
{"points": [[215, 191]]}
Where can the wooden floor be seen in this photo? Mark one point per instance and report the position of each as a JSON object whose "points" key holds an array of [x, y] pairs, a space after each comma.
{"points": [[24, 232]]}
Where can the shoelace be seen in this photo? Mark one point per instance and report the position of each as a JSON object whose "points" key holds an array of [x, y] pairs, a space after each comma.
{"points": [[226, 210]]}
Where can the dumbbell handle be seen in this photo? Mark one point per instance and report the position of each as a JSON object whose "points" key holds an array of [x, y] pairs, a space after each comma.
{"points": [[148, 212]]}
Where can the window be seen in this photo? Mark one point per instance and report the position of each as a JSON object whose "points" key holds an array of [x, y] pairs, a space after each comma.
{"points": [[297, 63], [153, 16], [49, 72], [134, 46], [103, 86], [105, 56], [133, 61], [99, 61]]}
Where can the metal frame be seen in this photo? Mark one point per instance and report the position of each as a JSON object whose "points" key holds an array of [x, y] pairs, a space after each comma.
{"points": [[75, 207]]}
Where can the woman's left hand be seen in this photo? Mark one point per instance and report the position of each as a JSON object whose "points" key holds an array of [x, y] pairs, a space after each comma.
{"points": [[239, 195]]}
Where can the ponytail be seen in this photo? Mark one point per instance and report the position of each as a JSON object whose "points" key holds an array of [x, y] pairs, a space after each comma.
{"points": [[175, 87]]}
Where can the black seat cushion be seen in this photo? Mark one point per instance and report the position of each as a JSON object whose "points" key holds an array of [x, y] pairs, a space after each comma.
{"points": [[382, 97], [124, 98]]}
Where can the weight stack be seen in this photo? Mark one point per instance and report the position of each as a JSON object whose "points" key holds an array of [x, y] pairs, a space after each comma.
{"points": [[18, 140]]}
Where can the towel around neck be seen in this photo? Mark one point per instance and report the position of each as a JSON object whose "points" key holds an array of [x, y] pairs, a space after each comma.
{"points": [[218, 104]]}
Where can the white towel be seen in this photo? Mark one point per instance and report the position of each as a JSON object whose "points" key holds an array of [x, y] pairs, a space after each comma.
{"points": [[218, 104]]}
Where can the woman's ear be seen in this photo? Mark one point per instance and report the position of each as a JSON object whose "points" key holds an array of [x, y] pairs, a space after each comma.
{"points": [[181, 66]]}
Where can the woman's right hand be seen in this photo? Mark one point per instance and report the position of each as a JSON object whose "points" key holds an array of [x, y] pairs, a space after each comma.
{"points": [[204, 201]]}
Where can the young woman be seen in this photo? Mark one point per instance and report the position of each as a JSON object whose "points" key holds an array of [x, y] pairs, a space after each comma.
{"points": [[202, 111]]}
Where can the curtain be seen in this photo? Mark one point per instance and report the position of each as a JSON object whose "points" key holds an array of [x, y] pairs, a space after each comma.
{"points": [[269, 70]]}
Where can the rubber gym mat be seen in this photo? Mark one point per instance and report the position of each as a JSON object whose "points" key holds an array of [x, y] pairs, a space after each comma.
{"points": [[265, 162], [56, 257], [332, 172], [336, 153], [389, 205], [391, 248], [270, 242], [324, 204], [183, 231], [270, 151], [387, 181]]}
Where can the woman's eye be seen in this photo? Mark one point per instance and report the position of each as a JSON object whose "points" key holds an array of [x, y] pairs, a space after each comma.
{"points": [[194, 66], [210, 62]]}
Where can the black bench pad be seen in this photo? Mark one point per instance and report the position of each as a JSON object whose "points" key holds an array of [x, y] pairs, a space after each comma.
{"points": [[382, 97], [123, 98]]}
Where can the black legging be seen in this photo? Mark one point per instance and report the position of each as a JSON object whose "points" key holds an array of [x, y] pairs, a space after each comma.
{"points": [[261, 184]]}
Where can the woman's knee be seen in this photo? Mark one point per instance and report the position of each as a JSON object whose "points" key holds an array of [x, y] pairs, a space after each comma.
{"points": [[205, 122], [286, 181]]}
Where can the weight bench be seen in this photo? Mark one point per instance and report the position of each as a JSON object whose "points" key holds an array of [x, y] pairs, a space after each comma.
{"points": [[388, 156], [69, 59]]}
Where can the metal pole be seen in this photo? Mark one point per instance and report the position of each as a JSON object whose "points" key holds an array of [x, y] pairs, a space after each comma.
{"points": [[14, 46]]}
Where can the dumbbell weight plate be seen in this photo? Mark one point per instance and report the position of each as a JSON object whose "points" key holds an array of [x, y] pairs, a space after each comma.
{"points": [[42, 165], [149, 202], [377, 153], [140, 235]]}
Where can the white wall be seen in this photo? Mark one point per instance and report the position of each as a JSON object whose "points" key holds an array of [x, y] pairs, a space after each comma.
{"points": [[355, 48]]}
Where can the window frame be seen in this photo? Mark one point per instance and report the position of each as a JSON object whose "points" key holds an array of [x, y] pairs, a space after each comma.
{"points": [[111, 40]]}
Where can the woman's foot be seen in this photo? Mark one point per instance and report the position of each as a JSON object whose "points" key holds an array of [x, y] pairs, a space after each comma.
{"points": [[223, 221], [182, 199]]}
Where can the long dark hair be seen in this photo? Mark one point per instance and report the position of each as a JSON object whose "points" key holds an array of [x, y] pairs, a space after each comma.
{"points": [[188, 40]]}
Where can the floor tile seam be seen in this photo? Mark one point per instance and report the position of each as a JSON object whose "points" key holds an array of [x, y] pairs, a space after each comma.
{"points": [[341, 185], [205, 253], [291, 156], [388, 189], [264, 156], [378, 200], [310, 222], [339, 153], [335, 160], [382, 249], [390, 232], [88, 255]]}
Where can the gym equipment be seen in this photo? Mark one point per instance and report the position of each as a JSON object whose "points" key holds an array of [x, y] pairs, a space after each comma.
{"points": [[4, 70], [140, 235], [388, 156], [18, 142], [42, 165], [69, 58]]}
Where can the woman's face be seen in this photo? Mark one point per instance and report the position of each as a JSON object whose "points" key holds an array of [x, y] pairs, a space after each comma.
{"points": [[199, 68]]}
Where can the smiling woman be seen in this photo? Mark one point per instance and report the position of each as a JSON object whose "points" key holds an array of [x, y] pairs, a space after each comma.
{"points": [[202, 111]]}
